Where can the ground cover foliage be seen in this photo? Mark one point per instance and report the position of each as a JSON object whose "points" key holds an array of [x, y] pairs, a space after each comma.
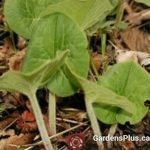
{"points": [[53, 52]]}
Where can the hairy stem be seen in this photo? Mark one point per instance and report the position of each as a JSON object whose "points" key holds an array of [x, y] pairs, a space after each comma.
{"points": [[112, 131], [94, 123], [52, 113], [40, 121]]}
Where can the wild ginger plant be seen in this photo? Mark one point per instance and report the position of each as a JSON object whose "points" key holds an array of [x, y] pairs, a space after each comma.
{"points": [[52, 28], [28, 83]]}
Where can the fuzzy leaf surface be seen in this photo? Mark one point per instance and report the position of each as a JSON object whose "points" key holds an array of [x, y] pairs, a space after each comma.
{"points": [[53, 35], [131, 81], [27, 82], [87, 13], [23, 15], [99, 95]]}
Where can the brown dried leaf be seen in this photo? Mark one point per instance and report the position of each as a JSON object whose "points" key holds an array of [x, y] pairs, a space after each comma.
{"points": [[97, 60], [137, 18], [146, 124], [136, 40], [7, 49], [14, 99], [27, 127], [76, 115], [16, 60], [22, 139], [127, 145], [81, 116], [69, 117], [6, 121], [124, 55], [9, 132], [141, 57], [3, 63]]}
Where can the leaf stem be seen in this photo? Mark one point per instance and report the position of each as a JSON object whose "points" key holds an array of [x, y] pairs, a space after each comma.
{"points": [[40, 121], [56, 135], [119, 13], [103, 38], [94, 123], [112, 131], [52, 113]]}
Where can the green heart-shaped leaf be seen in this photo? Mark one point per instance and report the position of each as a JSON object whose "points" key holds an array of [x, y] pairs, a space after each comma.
{"points": [[99, 95], [22, 15], [129, 80], [54, 34], [86, 13], [27, 82]]}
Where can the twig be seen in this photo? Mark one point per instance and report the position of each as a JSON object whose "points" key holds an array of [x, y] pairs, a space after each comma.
{"points": [[86, 129], [10, 124], [54, 136], [68, 121]]}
